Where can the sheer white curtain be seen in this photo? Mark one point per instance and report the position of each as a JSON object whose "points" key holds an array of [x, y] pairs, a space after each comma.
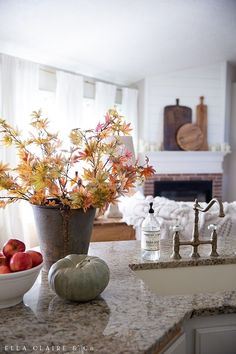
{"points": [[105, 95], [69, 103], [129, 109], [19, 85]]}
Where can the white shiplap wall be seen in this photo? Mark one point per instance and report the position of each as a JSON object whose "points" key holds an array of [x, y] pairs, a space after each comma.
{"points": [[230, 161], [187, 85]]}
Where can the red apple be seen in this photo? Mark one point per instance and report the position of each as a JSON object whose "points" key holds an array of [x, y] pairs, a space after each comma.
{"points": [[37, 258], [20, 261], [3, 259], [12, 246], [4, 269]]}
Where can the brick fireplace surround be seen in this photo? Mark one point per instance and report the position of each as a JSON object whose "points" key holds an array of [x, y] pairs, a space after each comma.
{"points": [[216, 179]]}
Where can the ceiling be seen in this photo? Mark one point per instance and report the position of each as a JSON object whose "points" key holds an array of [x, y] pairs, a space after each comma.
{"points": [[120, 41]]}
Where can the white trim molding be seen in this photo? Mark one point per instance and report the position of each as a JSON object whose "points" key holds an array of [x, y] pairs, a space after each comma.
{"points": [[185, 161]]}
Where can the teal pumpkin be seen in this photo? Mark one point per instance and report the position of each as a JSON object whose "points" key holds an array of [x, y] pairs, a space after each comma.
{"points": [[79, 277]]}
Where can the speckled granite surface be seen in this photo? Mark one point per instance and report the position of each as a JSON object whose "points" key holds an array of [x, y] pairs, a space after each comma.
{"points": [[126, 319]]}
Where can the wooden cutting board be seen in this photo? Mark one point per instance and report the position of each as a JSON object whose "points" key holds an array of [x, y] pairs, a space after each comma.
{"points": [[174, 117], [202, 122], [190, 137]]}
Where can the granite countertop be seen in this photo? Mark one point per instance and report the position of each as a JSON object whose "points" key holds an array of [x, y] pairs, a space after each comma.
{"points": [[126, 319]]}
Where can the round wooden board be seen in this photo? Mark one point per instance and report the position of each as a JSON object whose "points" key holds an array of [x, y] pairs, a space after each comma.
{"points": [[189, 137]]}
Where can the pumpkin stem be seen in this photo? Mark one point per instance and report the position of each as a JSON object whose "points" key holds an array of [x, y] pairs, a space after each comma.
{"points": [[83, 262]]}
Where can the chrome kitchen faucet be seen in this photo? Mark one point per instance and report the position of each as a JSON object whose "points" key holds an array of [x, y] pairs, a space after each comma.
{"points": [[195, 242]]}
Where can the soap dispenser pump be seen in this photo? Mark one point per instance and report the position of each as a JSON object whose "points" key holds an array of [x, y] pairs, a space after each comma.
{"points": [[150, 236]]}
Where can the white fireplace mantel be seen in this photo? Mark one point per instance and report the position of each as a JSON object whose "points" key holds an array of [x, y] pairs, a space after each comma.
{"points": [[186, 161]]}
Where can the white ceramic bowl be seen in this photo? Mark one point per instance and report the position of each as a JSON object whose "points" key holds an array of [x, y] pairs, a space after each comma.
{"points": [[13, 286]]}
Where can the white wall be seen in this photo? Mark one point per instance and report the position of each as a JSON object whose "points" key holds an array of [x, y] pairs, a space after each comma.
{"points": [[187, 85], [140, 85], [230, 162], [229, 78], [230, 128]]}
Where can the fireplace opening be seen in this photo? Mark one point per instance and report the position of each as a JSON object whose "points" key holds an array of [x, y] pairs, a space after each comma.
{"points": [[186, 191]]}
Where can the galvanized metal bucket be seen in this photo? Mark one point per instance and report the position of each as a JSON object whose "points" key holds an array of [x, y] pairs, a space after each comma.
{"points": [[62, 231]]}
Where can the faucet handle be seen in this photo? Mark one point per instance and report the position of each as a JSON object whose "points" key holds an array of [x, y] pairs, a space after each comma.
{"points": [[212, 227], [176, 227], [176, 242]]}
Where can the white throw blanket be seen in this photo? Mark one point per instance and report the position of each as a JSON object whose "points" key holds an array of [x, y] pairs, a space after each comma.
{"points": [[170, 213]]}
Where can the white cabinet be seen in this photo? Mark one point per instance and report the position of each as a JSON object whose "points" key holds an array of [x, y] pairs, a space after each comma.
{"points": [[215, 340], [177, 347], [206, 335], [211, 335]]}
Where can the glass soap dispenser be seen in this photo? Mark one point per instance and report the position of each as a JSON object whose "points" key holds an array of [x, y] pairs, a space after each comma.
{"points": [[150, 236]]}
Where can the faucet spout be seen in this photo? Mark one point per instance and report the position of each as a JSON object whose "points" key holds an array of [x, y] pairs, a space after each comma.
{"points": [[209, 205]]}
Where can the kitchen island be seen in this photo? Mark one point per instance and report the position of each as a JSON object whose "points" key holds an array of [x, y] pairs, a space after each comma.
{"points": [[126, 319]]}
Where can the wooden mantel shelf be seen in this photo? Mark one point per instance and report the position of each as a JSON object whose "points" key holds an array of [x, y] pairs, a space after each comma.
{"points": [[111, 229]]}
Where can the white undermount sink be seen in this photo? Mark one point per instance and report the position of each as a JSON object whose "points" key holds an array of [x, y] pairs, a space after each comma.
{"points": [[190, 279]]}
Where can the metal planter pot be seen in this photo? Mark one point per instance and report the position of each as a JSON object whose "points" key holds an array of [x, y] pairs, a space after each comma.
{"points": [[62, 231]]}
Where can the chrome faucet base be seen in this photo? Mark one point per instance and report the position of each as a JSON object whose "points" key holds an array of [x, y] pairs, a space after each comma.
{"points": [[195, 255], [214, 254], [175, 256]]}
